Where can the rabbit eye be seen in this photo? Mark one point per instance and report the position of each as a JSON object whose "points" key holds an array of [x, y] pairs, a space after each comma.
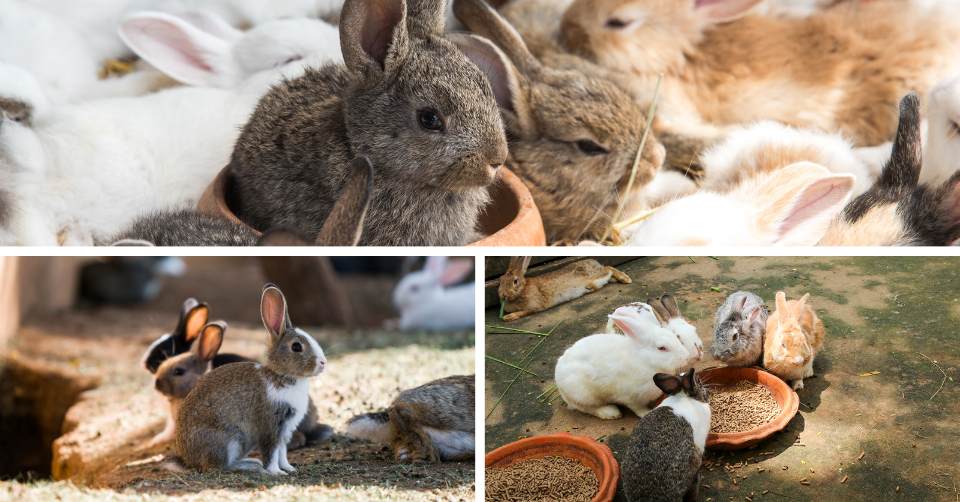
{"points": [[735, 336], [516, 281], [662, 349], [616, 23], [591, 148], [296, 347], [178, 372], [430, 119]]}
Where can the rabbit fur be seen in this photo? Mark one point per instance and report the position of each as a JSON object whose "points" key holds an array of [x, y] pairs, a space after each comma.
{"points": [[657, 310], [794, 336], [738, 329], [430, 299]]}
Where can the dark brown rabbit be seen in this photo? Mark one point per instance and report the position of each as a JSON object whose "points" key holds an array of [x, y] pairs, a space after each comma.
{"points": [[406, 98], [573, 135]]}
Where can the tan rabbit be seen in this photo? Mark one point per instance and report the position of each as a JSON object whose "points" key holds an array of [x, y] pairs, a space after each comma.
{"points": [[522, 296], [433, 422], [839, 70], [794, 336], [240, 407], [573, 135]]}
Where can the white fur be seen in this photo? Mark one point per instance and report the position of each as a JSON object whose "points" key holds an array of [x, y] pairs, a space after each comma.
{"points": [[645, 321], [687, 334], [452, 444], [84, 172], [749, 215], [321, 359], [696, 413], [369, 429], [427, 301], [741, 147], [233, 451], [942, 153], [297, 397], [603, 370]]}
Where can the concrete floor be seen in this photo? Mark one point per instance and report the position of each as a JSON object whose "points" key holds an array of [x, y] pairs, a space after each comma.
{"points": [[890, 436]]}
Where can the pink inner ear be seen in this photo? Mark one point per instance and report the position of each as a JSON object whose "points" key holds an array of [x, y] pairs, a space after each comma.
{"points": [[378, 29], [622, 326], [273, 311]]}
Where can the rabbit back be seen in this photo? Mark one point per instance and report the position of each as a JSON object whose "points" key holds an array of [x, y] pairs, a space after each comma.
{"points": [[448, 404], [557, 286], [662, 460]]}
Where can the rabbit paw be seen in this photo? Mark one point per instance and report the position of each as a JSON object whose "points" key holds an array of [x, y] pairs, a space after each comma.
{"points": [[289, 469], [608, 412], [797, 384], [274, 470]]}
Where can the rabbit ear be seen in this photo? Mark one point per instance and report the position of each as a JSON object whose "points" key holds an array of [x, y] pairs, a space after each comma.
{"points": [[782, 303], [426, 17], [212, 24], [435, 265], [344, 225], [801, 303], [273, 311], [755, 315], [373, 36], [671, 305], [525, 264], [688, 381], [177, 47], [797, 203], [906, 159], [723, 11], [742, 304], [194, 321], [663, 315], [502, 75], [281, 237], [210, 340], [669, 384], [455, 271], [479, 17]]}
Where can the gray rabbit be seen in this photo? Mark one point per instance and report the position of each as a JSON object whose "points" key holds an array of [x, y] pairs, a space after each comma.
{"points": [[738, 329], [662, 462], [417, 104]]}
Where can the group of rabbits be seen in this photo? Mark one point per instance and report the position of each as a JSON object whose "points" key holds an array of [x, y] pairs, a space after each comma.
{"points": [[389, 127], [224, 406]]}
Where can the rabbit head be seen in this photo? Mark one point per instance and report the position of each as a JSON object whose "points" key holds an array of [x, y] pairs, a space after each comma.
{"points": [[418, 288], [200, 48], [514, 280], [650, 334], [788, 347], [193, 318], [684, 385], [735, 333], [573, 134], [22, 103], [790, 206], [666, 308], [645, 36], [178, 375], [433, 96], [942, 151], [292, 351]]}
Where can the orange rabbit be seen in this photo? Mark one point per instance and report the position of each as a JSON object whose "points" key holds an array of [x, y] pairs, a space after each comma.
{"points": [[794, 336]]}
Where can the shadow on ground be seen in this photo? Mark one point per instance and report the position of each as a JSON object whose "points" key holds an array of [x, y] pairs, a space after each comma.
{"points": [[859, 435]]}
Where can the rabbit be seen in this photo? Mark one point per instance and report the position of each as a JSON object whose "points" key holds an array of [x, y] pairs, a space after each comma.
{"points": [[839, 70], [941, 154], [179, 374], [655, 310], [767, 146], [522, 296], [665, 451], [738, 329], [431, 299], [393, 101], [789, 206], [794, 336], [189, 227], [242, 406], [84, 172], [433, 422], [898, 210], [193, 318], [601, 371], [573, 135]]}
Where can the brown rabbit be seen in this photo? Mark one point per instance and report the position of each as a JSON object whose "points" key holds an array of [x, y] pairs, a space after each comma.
{"points": [[573, 135], [842, 69], [794, 336], [522, 296], [240, 407], [433, 422]]}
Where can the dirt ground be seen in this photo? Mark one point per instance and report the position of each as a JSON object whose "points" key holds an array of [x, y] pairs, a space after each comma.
{"points": [[103, 453], [878, 422]]}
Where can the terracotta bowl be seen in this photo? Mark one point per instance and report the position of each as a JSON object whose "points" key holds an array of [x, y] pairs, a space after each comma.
{"points": [[786, 397], [595, 455], [511, 220]]}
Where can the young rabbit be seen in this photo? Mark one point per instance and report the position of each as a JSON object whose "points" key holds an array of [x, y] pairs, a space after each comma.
{"points": [[789, 206], [663, 458], [188, 227], [941, 155], [430, 299], [573, 134], [418, 105], [602, 371], [664, 311], [839, 70], [84, 172], [244, 406], [898, 210], [433, 422], [793, 338], [738, 329], [193, 317], [522, 296]]}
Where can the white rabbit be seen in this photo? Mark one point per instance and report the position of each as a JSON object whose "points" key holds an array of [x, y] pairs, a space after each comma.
{"points": [[789, 206], [427, 300], [664, 311], [604, 370], [85, 171]]}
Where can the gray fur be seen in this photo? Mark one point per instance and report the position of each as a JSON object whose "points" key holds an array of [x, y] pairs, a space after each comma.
{"points": [[187, 227], [738, 329], [292, 158]]}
